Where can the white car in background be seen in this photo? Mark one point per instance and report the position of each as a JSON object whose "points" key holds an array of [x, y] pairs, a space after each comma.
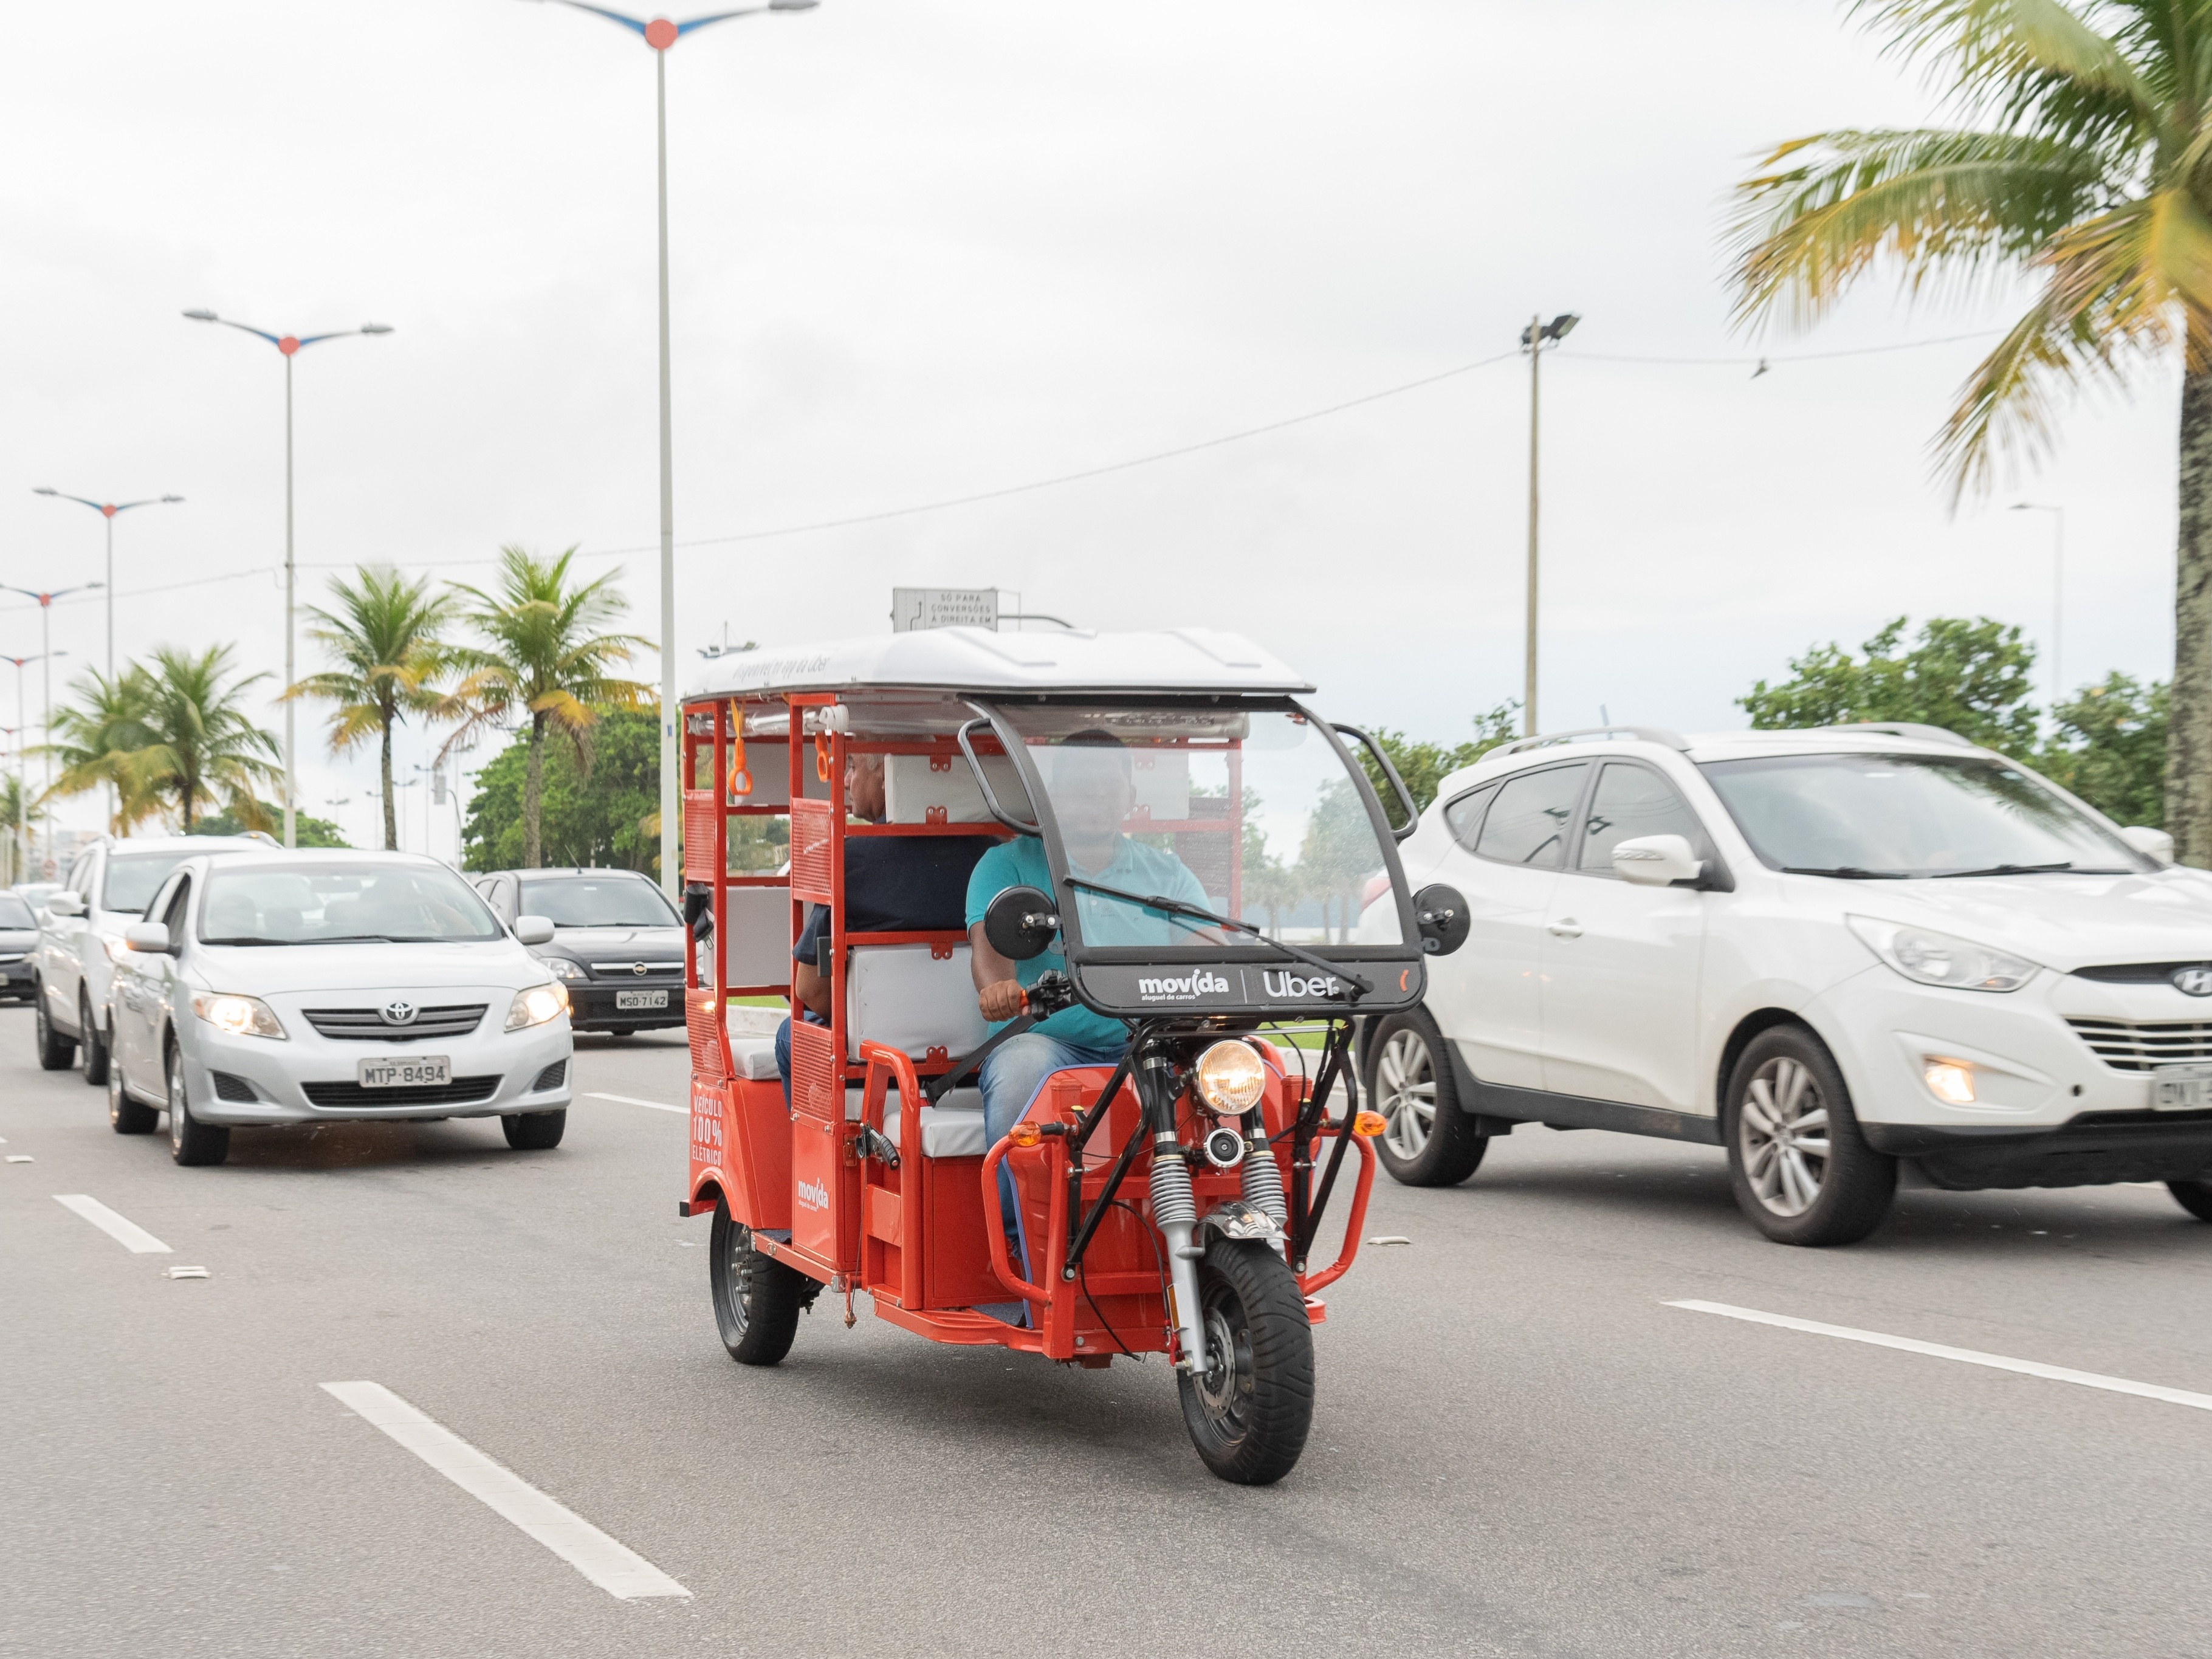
{"points": [[1838, 953], [298, 987], [81, 924]]}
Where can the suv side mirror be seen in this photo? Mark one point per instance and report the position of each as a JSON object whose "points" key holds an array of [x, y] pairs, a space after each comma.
{"points": [[151, 938], [2152, 843], [534, 930], [1656, 860], [1440, 912], [66, 903], [1020, 923]]}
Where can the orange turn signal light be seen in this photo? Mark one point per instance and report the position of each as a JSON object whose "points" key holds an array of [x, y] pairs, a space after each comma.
{"points": [[1370, 1124], [1025, 1134]]}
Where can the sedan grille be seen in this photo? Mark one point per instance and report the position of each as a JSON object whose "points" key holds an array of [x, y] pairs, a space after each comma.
{"points": [[2133, 1046], [634, 969], [461, 1092], [367, 1025]]}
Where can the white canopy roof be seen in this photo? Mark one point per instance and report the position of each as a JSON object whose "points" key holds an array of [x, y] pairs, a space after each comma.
{"points": [[979, 659]]}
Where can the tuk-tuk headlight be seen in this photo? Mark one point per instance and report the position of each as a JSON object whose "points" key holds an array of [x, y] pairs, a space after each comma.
{"points": [[1231, 1078]]}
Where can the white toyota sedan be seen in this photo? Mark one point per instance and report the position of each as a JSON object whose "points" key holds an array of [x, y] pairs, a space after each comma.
{"points": [[1846, 956], [296, 987]]}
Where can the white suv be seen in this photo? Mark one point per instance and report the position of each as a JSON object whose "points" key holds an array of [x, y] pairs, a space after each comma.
{"points": [[81, 939], [1833, 953]]}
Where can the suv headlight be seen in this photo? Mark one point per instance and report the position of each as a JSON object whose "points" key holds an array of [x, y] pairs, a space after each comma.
{"points": [[562, 967], [237, 1014], [537, 1005], [1928, 957], [1231, 1078]]}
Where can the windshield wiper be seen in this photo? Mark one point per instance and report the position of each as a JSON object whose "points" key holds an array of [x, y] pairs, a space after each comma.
{"points": [[1177, 907], [2019, 870], [1846, 873]]}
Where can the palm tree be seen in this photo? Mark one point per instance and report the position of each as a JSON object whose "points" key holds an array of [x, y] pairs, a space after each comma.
{"points": [[543, 657], [13, 818], [386, 637], [101, 738], [204, 746], [2083, 159]]}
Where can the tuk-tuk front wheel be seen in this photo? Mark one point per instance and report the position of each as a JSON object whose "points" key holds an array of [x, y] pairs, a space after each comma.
{"points": [[757, 1297], [1249, 1411]]}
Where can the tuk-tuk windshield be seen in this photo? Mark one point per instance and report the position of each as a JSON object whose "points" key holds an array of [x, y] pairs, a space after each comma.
{"points": [[1248, 812]]}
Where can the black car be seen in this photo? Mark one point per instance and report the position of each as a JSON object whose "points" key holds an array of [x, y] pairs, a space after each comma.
{"points": [[618, 943], [19, 946]]}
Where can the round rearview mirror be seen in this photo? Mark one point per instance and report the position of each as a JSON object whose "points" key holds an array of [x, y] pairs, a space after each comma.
{"points": [[1020, 923], [1440, 912]]}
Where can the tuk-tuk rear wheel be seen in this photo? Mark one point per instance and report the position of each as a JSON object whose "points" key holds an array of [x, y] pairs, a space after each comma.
{"points": [[1249, 1413], [757, 1297]]}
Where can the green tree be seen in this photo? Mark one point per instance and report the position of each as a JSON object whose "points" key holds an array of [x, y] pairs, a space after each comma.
{"points": [[13, 820], [545, 659], [2110, 749], [605, 819], [1425, 766], [204, 746], [2083, 160], [306, 831], [99, 740], [386, 640], [1970, 677]]}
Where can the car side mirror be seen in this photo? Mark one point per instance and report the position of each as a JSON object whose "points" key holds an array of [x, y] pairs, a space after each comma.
{"points": [[151, 938], [66, 903], [1656, 860], [534, 930], [1020, 923], [2152, 843], [1440, 912]]}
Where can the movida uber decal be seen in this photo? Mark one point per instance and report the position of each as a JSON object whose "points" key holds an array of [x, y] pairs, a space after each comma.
{"points": [[1240, 986]]}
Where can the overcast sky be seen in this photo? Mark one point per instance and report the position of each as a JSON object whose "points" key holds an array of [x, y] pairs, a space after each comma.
{"points": [[926, 248]]}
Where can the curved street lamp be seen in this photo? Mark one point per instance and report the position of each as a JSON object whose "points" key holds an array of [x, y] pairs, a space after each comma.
{"points": [[290, 345], [1534, 340], [660, 34], [46, 722], [108, 510]]}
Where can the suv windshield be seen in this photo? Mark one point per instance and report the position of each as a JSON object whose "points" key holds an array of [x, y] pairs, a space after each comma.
{"points": [[133, 878], [614, 900], [1874, 815], [329, 903], [1250, 813]]}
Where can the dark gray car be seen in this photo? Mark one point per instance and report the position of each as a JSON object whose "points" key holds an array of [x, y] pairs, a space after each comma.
{"points": [[19, 944], [618, 943]]}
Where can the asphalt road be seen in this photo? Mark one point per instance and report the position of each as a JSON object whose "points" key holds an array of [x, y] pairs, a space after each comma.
{"points": [[1519, 1448]]}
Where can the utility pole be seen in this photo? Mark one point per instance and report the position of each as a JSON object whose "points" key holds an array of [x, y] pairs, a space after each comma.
{"points": [[1532, 340]]}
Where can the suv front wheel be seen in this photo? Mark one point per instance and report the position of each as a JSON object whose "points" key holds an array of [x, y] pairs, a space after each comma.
{"points": [[1428, 1141], [1799, 1166]]}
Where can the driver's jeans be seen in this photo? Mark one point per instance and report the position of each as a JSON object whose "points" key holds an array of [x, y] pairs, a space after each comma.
{"points": [[1010, 1081]]}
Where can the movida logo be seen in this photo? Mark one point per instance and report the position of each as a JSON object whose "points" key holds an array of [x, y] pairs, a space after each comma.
{"points": [[813, 1194], [1300, 987], [1200, 982]]}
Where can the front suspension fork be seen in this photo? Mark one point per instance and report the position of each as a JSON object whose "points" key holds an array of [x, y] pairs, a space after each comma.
{"points": [[1175, 1209]]}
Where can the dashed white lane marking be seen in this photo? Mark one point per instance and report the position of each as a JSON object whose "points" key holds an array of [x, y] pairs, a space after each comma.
{"points": [[632, 1100], [127, 1233], [613, 1567], [1965, 1356]]}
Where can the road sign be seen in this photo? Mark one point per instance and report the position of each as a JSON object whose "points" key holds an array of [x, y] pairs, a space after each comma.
{"points": [[916, 608]]}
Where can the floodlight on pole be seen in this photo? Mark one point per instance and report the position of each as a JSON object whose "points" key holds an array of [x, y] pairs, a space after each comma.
{"points": [[660, 34], [2057, 592], [1534, 341], [290, 345]]}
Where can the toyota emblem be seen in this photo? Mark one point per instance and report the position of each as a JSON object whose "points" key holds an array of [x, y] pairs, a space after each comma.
{"points": [[399, 1012], [2193, 982]]}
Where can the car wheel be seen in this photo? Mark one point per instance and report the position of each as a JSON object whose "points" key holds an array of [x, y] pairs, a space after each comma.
{"points": [[1429, 1141], [126, 1115], [2194, 1196], [534, 1131], [190, 1141], [55, 1052], [1799, 1166], [95, 1046], [757, 1297]]}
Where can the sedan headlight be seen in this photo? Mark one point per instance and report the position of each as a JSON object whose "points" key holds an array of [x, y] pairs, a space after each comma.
{"points": [[537, 1005], [237, 1014], [1928, 957], [563, 967], [1231, 1078]]}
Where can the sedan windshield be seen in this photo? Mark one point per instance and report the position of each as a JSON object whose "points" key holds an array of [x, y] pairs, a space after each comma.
{"points": [[14, 912], [614, 900], [335, 903], [1899, 817]]}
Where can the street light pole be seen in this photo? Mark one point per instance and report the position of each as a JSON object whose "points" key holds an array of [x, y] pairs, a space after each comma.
{"points": [[290, 345], [2058, 594], [660, 34], [1532, 340], [45, 660]]}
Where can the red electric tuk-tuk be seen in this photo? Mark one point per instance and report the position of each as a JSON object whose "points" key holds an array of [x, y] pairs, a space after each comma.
{"points": [[1172, 855]]}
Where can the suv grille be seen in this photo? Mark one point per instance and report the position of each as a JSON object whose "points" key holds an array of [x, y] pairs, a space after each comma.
{"points": [[2132, 1046], [367, 1025], [2136, 972], [461, 1092]]}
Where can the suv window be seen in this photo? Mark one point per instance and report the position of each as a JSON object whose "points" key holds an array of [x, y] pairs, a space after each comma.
{"points": [[1464, 816], [1527, 824], [174, 916], [80, 877], [1631, 801]]}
